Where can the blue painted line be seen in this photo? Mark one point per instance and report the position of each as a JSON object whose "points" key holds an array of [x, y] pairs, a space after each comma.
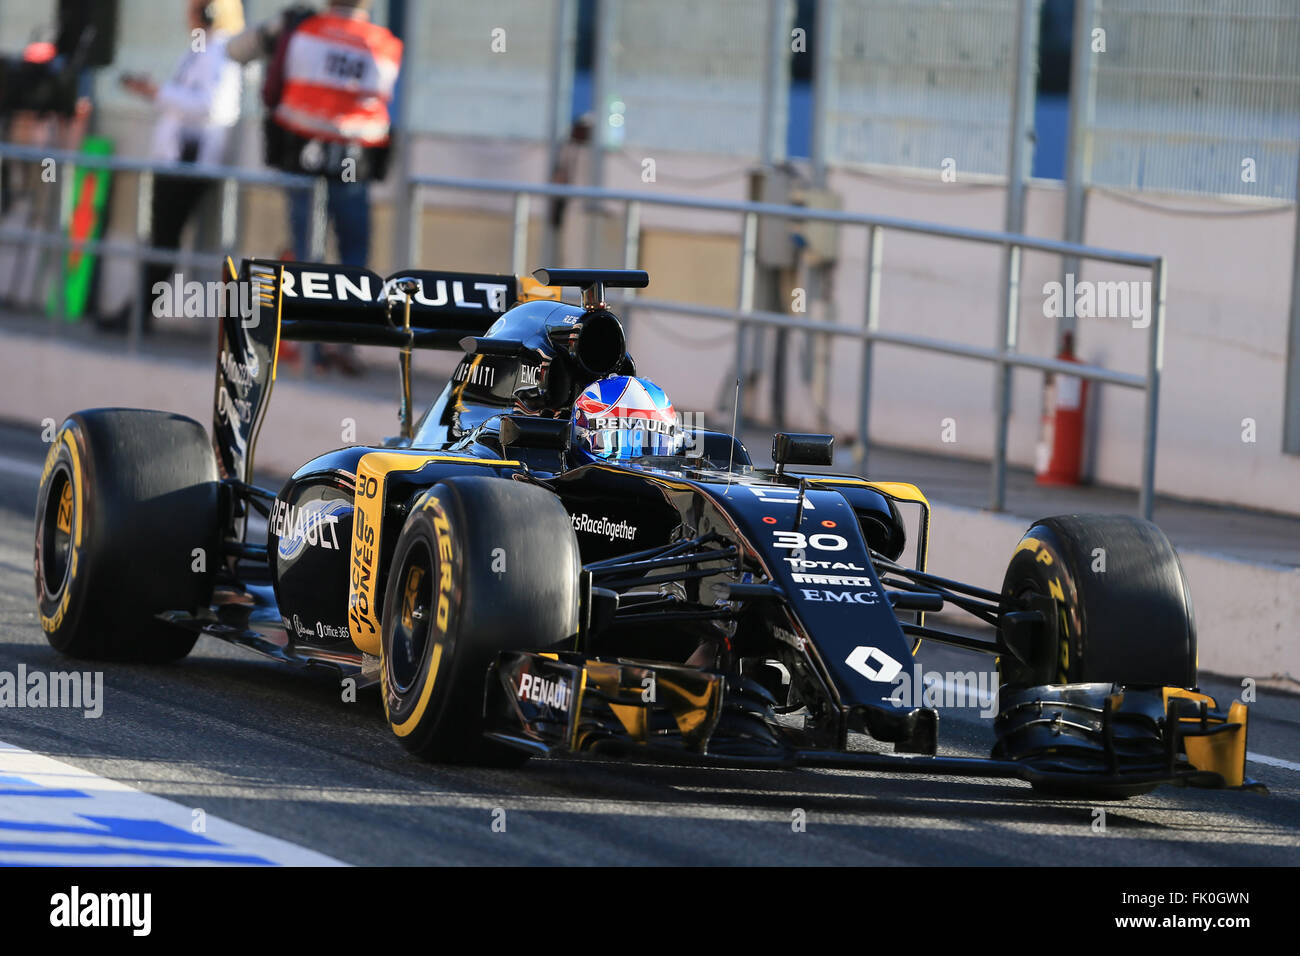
{"points": [[124, 828], [42, 793]]}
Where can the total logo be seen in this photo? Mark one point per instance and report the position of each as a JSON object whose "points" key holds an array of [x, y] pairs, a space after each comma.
{"points": [[805, 564], [552, 693]]}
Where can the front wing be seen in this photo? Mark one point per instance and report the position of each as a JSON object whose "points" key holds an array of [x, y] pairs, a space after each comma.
{"points": [[1078, 740]]}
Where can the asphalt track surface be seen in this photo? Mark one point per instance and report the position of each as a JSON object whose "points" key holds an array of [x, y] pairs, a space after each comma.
{"points": [[276, 750]]}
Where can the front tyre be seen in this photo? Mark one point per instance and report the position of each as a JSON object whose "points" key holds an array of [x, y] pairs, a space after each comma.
{"points": [[483, 565], [1123, 612], [126, 527]]}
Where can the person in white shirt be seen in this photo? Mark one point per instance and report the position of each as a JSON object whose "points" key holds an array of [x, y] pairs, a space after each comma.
{"points": [[196, 109]]}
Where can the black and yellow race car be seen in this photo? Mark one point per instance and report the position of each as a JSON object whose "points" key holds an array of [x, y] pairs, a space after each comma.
{"points": [[550, 562]]}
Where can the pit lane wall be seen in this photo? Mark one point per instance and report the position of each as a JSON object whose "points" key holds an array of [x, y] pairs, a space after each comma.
{"points": [[1245, 612]]}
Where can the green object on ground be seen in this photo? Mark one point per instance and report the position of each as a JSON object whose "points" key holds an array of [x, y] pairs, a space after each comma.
{"points": [[89, 197]]}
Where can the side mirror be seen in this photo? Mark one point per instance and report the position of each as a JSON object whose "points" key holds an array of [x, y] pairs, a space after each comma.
{"points": [[524, 431], [789, 448]]}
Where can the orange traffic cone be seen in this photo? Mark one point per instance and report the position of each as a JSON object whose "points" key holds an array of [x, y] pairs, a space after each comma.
{"points": [[1060, 449]]}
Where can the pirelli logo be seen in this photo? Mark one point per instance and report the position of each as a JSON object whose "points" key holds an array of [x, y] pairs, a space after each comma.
{"points": [[443, 531]]}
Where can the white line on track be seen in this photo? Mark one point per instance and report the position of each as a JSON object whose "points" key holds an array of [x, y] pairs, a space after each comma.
{"points": [[55, 814], [1273, 762]]}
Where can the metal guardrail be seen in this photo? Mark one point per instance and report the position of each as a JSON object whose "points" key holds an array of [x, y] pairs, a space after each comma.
{"points": [[230, 178], [1005, 356]]}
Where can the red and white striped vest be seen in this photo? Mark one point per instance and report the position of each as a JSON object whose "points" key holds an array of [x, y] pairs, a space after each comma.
{"points": [[339, 75]]}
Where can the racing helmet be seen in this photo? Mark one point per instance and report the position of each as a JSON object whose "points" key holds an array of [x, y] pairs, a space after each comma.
{"points": [[623, 417]]}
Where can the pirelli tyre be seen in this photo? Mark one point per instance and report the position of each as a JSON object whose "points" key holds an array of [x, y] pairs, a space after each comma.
{"points": [[126, 527], [1120, 607], [482, 565]]}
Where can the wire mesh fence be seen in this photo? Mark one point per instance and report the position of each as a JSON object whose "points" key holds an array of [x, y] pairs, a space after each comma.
{"points": [[918, 82], [484, 68], [690, 75], [1197, 96]]}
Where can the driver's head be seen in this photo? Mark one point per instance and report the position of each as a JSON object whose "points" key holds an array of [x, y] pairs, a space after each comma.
{"points": [[623, 417]]}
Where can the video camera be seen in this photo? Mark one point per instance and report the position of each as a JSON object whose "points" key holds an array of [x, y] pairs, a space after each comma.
{"points": [[41, 87], [43, 78]]}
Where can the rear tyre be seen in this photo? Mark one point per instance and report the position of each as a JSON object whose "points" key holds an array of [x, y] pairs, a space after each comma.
{"points": [[483, 565], [126, 527], [1123, 610]]}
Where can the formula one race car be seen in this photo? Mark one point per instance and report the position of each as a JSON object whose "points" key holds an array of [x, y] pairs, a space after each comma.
{"points": [[549, 562]]}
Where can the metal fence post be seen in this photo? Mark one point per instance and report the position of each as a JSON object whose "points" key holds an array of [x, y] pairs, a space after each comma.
{"points": [[229, 214], [1010, 336], [1155, 368], [606, 33], [415, 226], [631, 255], [1020, 139], [1078, 156], [631, 239], [558, 106], [745, 295], [1291, 392], [406, 213], [519, 236], [144, 238], [826, 30], [871, 323], [775, 102], [748, 254], [319, 200], [820, 277]]}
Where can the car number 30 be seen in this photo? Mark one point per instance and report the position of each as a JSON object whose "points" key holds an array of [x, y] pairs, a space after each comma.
{"points": [[799, 542]]}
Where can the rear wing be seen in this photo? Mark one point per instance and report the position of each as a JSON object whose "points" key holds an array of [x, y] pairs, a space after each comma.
{"points": [[268, 300], [329, 303]]}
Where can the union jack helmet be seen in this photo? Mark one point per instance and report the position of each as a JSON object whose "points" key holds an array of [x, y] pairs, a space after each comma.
{"points": [[622, 417]]}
